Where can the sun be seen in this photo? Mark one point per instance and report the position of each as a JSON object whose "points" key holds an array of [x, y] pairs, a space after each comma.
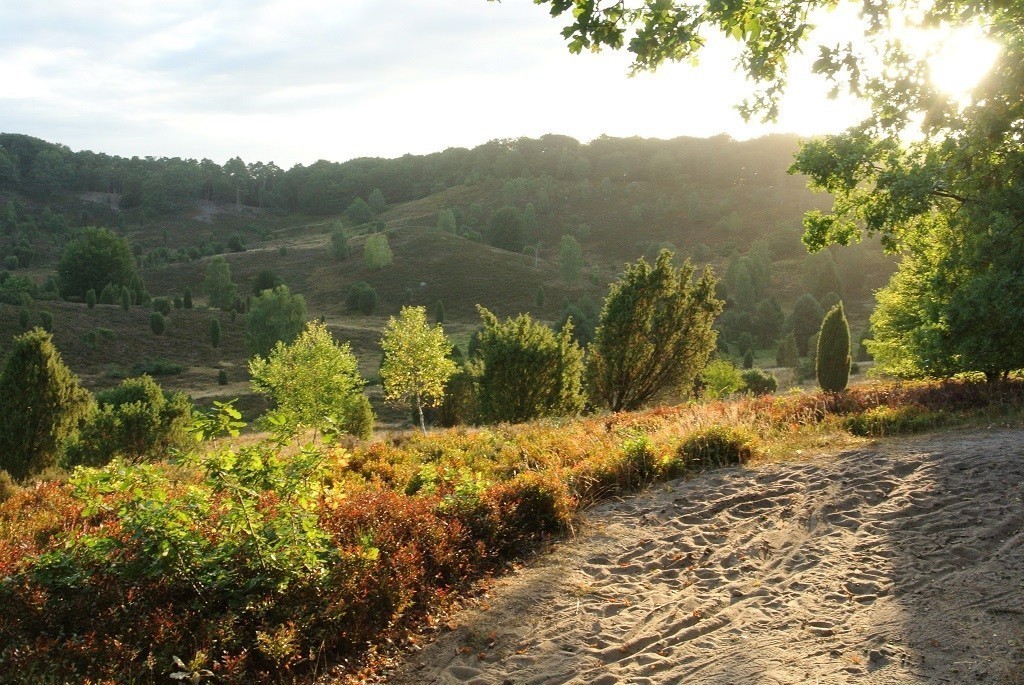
{"points": [[959, 61]]}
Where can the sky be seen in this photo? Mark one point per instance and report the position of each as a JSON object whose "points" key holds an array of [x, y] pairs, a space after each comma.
{"points": [[294, 81]]}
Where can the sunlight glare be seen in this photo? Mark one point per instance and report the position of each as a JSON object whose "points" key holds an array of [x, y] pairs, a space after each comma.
{"points": [[960, 61]]}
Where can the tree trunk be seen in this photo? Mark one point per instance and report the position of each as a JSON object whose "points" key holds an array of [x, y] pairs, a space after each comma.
{"points": [[419, 408]]}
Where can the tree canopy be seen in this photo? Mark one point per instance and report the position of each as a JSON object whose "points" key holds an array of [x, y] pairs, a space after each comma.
{"points": [[277, 315], [97, 258]]}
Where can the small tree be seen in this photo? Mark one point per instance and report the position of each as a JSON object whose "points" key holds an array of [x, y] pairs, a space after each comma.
{"points": [[359, 212], [41, 405], [805, 321], [570, 259], [95, 259], [439, 312], [416, 365], [540, 297], [46, 320], [654, 333], [126, 299], [156, 323], [162, 305], [787, 354], [832, 366], [215, 332], [266, 279], [376, 201], [221, 292], [314, 381], [276, 316], [748, 360], [446, 221], [90, 298], [340, 249], [720, 378], [506, 230], [186, 298], [529, 371], [361, 298], [24, 315], [222, 377], [377, 252]]}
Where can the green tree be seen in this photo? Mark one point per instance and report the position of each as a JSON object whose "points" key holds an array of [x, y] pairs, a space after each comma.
{"points": [[359, 212], [505, 230], [832, 363], [767, 321], [215, 332], [377, 251], [446, 221], [276, 316], [719, 379], [540, 298], [787, 354], [361, 297], [528, 371], [156, 323], [90, 298], [266, 279], [804, 321], [221, 292], [186, 298], [97, 258], [570, 259], [41, 405], [439, 312], [416, 365], [313, 381], [376, 201], [654, 333], [340, 249]]}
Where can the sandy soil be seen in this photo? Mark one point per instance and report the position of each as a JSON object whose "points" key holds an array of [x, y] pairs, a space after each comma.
{"points": [[897, 564]]}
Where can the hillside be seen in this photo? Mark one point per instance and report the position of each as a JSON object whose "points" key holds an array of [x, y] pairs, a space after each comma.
{"points": [[713, 200]]}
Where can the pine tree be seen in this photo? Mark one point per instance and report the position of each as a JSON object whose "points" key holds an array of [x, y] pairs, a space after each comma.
{"points": [[540, 298], [787, 354], [439, 312], [215, 332], [126, 299], [833, 359], [156, 323], [186, 298], [41, 405], [90, 298]]}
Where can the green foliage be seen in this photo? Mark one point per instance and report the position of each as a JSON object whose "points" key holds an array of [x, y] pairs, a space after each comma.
{"points": [[745, 344], [461, 404], [24, 316], [359, 212], [221, 292], [878, 422], [215, 332], [15, 289], [416, 365], [186, 298], [833, 357], [805, 322], [361, 297], [8, 488], [236, 243], [719, 379], [97, 258], [439, 312], [266, 279], [376, 201], [760, 382], [277, 316], [540, 298], [162, 305], [767, 321], [156, 367], [654, 333], [46, 320], [90, 298], [41, 405], [717, 447], [11, 262], [528, 371], [787, 354], [570, 259], [505, 230], [377, 251], [222, 377], [340, 249], [748, 360], [136, 422], [156, 323], [446, 221], [313, 381]]}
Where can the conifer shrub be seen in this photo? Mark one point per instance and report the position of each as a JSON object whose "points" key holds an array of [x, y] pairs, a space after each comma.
{"points": [[439, 312], [162, 305], [90, 298], [109, 294], [156, 367], [11, 262], [186, 298], [46, 320], [178, 303], [540, 297], [760, 382], [156, 323], [222, 377], [748, 360], [215, 332], [361, 298], [787, 355], [126, 299], [832, 364], [715, 447]]}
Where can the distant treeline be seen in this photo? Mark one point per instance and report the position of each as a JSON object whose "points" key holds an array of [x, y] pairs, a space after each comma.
{"points": [[40, 169]]}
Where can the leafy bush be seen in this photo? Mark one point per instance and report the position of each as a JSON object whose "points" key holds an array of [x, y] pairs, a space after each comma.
{"points": [[15, 289], [156, 323], [11, 263], [162, 305], [276, 316], [377, 252], [882, 420], [362, 298], [90, 298], [715, 447], [222, 377], [720, 378], [46, 320], [157, 367], [760, 382], [340, 249], [95, 259]]}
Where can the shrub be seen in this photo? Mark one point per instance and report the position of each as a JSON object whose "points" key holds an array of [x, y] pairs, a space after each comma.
{"points": [[220, 290], [748, 360], [178, 303], [787, 355], [340, 248], [41, 405], [215, 332], [362, 298], [97, 258], [720, 378], [46, 321], [156, 323], [162, 305], [357, 417], [11, 263], [90, 298], [461, 404], [539, 297], [715, 447], [8, 488], [126, 299], [760, 382], [157, 367], [186, 298], [833, 355], [377, 252], [222, 377], [276, 316], [265, 280], [24, 315], [883, 420], [236, 243], [135, 421]]}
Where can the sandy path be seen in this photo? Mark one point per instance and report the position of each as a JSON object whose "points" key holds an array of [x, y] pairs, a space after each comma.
{"points": [[903, 564]]}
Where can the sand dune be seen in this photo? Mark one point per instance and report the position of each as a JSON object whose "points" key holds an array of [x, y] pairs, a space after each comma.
{"points": [[901, 564]]}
